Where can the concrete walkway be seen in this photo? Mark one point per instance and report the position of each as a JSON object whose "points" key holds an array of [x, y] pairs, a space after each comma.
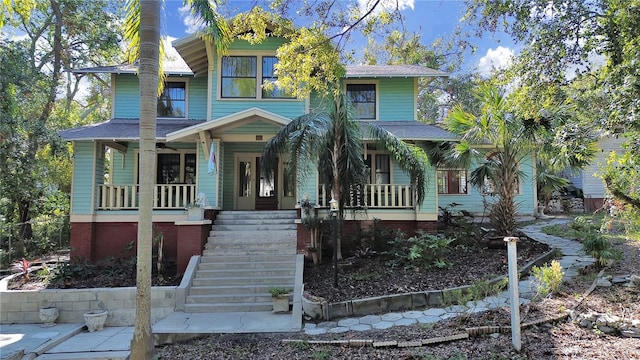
{"points": [[70, 341]]}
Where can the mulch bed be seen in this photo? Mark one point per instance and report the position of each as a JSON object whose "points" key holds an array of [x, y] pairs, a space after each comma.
{"points": [[366, 277]]}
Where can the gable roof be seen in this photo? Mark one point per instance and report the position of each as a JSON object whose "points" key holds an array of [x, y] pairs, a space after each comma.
{"points": [[239, 117]]}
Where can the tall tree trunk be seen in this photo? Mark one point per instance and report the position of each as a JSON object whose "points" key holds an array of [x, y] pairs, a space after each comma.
{"points": [[336, 196], [142, 343]]}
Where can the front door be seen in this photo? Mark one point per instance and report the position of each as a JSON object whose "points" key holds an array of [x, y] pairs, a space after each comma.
{"points": [[255, 189]]}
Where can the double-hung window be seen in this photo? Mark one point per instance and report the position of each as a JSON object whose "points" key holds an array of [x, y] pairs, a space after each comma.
{"points": [[271, 91], [175, 167], [452, 181], [239, 76], [363, 100], [246, 77], [173, 100]]}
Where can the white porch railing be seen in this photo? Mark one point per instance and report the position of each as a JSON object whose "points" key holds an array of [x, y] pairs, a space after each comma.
{"points": [[389, 196], [166, 196]]}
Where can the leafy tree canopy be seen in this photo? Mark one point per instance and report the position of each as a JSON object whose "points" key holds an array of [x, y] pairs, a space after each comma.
{"points": [[579, 53]]}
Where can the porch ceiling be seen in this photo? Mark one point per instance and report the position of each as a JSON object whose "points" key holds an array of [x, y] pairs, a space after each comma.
{"points": [[227, 122]]}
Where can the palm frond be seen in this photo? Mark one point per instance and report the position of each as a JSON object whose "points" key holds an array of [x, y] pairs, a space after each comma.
{"points": [[411, 158], [302, 139], [217, 29]]}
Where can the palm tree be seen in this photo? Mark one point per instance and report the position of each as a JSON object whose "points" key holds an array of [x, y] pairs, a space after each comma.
{"points": [[149, 42], [142, 29], [334, 141], [510, 143]]}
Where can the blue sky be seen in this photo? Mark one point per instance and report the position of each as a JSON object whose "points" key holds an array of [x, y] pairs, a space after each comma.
{"points": [[432, 18]]}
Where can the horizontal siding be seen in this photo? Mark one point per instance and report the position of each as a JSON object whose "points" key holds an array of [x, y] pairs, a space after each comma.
{"points": [[207, 183], [592, 185], [474, 201], [256, 127], [83, 177], [127, 96], [396, 99], [288, 109], [122, 166], [197, 100]]}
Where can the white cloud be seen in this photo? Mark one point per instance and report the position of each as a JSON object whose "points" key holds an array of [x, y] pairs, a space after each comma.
{"points": [[365, 5], [499, 58], [192, 23]]}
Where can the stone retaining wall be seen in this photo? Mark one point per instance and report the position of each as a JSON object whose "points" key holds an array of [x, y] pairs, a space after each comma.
{"points": [[23, 307]]}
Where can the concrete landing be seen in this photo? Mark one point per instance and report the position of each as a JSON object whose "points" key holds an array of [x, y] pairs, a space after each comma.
{"points": [[181, 326]]}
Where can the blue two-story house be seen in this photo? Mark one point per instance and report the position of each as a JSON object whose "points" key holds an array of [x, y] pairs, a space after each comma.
{"points": [[214, 118]]}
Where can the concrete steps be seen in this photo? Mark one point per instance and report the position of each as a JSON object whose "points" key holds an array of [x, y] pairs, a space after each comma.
{"points": [[247, 252]]}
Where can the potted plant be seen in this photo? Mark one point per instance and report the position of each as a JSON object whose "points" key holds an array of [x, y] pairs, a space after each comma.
{"points": [[195, 211], [280, 296]]}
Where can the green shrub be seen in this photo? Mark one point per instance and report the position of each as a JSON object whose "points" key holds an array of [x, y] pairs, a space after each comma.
{"points": [[423, 250], [548, 278], [598, 246]]}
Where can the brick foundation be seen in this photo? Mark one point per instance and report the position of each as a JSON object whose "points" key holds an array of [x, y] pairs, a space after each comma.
{"points": [[192, 239], [349, 227]]}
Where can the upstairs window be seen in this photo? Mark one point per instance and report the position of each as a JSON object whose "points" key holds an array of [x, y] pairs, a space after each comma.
{"points": [[173, 100], [239, 76], [268, 74], [244, 77], [363, 99], [452, 181]]}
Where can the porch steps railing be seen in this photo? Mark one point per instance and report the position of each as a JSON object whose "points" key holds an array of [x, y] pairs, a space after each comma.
{"points": [[247, 253]]}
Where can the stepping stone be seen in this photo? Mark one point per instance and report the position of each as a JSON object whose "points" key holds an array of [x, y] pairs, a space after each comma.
{"points": [[338, 330], [413, 314], [382, 325], [434, 312], [429, 319], [360, 327], [348, 322], [370, 319], [391, 317], [405, 322]]}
